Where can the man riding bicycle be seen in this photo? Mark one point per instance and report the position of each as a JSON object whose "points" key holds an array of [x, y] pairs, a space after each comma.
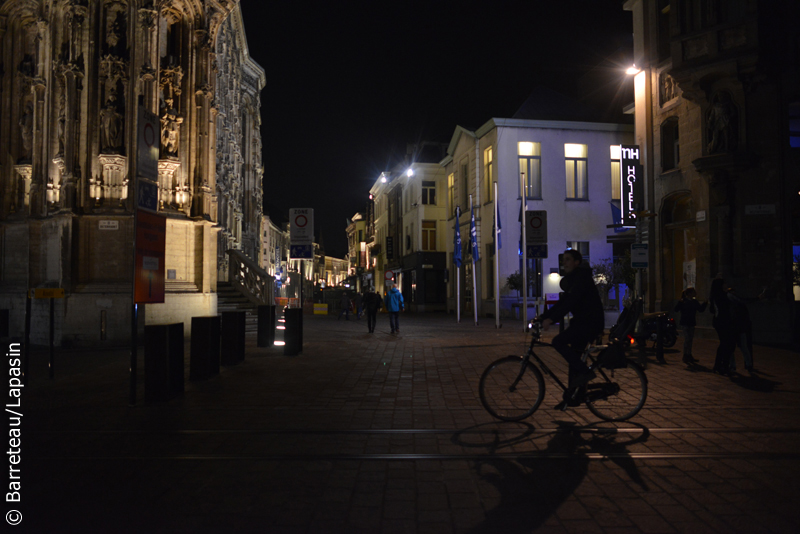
{"points": [[582, 299]]}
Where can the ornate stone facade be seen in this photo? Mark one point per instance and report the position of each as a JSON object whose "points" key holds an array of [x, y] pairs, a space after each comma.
{"points": [[239, 168], [72, 76]]}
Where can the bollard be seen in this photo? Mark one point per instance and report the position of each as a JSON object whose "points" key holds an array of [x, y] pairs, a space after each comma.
{"points": [[205, 345], [293, 334], [233, 330], [266, 326], [163, 361]]}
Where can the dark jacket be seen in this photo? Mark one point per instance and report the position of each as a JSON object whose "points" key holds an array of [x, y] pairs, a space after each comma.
{"points": [[689, 309], [582, 299], [372, 301]]}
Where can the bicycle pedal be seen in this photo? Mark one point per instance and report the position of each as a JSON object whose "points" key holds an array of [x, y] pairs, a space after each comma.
{"points": [[561, 406]]}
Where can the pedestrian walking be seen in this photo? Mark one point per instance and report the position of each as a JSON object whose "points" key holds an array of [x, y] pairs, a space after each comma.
{"points": [[744, 330], [720, 306], [688, 306], [345, 303], [394, 305], [357, 304], [372, 303]]}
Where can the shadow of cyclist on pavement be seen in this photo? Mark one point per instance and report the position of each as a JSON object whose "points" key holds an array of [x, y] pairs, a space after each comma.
{"points": [[531, 488]]}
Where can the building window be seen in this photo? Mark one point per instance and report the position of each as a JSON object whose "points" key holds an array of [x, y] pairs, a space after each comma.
{"points": [[582, 247], [530, 167], [428, 235], [488, 176], [451, 193], [577, 162], [429, 193], [794, 124], [465, 183], [670, 145], [616, 186]]}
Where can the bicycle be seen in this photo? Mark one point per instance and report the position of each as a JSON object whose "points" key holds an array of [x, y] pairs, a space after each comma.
{"points": [[512, 388]]}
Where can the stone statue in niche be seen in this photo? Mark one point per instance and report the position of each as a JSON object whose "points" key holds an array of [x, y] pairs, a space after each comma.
{"points": [[170, 133], [721, 125], [669, 89], [111, 126], [26, 131], [62, 123]]}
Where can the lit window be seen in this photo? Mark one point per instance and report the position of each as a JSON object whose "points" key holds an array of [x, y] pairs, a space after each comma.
{"points": [[429, 193], [451, 193], [428, 235], [615, 173], [488, 178], [530, 168], [576, 159]]}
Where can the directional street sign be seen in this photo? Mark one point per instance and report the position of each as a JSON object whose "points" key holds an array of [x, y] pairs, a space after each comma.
{"points": [[536, 231], [301, 252], [537, 251]]}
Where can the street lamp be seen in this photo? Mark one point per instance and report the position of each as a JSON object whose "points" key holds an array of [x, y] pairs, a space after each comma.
{"points": [[633, 70]]}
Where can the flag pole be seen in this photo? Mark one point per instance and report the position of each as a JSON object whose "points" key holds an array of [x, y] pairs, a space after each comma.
{"points": [[496, 260], [474, 249], [457, 253], [524, 255]]}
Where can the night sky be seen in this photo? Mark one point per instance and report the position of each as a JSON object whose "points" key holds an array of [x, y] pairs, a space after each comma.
{"points": [[349, 84]]}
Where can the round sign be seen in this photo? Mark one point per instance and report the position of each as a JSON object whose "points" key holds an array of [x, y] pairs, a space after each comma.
{"points": [[389, 275], [536, 222], [300, 221]]}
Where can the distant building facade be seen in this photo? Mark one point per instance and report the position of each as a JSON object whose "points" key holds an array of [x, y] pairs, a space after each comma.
{"points": [[717, 115], [565, 168]]}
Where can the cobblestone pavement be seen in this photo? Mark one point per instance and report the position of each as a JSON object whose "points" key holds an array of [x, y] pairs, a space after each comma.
{"points": [[385, 433]]}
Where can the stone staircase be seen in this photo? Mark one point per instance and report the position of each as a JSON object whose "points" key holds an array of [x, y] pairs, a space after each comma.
{"points": [[229, 299]]}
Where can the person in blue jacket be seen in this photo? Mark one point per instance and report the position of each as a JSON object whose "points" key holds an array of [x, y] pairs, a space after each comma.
{"points": [[394, 305]]}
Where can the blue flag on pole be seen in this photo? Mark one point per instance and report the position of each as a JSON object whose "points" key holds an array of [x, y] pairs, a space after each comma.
{"points": [[457, 240], [473, 236], [498, 228]]}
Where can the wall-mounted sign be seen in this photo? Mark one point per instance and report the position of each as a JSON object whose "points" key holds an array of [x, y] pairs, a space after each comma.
{"points": [[632, 185], [760, 209], [108, 225], [700, 216]]}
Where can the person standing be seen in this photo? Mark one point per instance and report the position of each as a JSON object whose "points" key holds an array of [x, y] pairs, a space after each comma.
{"points": [[372, 303], [394, 305], [689, 306], [744, 330], [357, 304], [720, 306], [345, 303]]}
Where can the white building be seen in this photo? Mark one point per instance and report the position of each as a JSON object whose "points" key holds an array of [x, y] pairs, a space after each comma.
{"points": [[569, 172]]}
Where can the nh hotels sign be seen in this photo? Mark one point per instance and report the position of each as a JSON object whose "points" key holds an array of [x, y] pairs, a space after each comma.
{"points": [[632, 184]]}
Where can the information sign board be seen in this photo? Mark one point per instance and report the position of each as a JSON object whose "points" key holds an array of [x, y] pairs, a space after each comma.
{"points": [[301, 252], [151, 238], [639, 255], [536, 231], [631, 184], [301, 226]]}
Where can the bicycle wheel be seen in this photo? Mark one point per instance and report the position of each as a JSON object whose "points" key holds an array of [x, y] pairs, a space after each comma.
{"points": [[510, 391], [621, 396]]}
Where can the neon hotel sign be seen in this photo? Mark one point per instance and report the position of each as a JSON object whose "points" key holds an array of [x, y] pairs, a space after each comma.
{"points": [[632, 184]]}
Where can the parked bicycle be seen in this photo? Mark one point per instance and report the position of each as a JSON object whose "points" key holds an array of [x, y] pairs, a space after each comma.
{"points": [[512, 388]]}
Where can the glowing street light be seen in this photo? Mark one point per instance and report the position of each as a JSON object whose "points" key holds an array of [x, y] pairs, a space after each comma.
{"points": [[633, 70], [410, 173]]}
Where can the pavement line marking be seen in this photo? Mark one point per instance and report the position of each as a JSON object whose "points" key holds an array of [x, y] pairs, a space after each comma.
{"points": [[535, 455]]}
